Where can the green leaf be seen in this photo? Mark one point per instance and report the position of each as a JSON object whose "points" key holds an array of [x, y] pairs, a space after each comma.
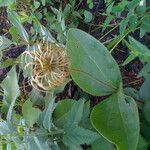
{"points": [[142, 144], [109, 8], [14, 33], [36, 143], [133, 21], [123, 25], [102, 144], [36, 97], [36, 5], [120, 7], [145, 90], [145, 71], [116, 118], [68, 109], [5, 3], [23, 17], [139, 49], [132, 92], [30, 113], [87, 16], [42, 30], [17, 141], [61, 111], [47, 122], [75, 135], [112, 45], [6, 128], [67, 10], [43, 2], [146, 110], [91, 5], [92, 66], [63, 107], [144, 128], [8, 62], [4, 42], [141, 9], [9, 146], [10, 110], [146, 23], [131, 57], [13, 17], [75, 114], [77, 14], [142, 32], [133, 4], [10, 87], [107, 22], [38, 140], [85, 121]]}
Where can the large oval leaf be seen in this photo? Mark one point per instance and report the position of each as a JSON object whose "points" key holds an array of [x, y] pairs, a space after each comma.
{"points": [[61, 111], [116, 118], [92, 66], [13, 18], [30, 113]]}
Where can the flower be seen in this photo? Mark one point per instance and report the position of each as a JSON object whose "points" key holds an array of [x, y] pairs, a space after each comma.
{"points": [[50, 65]]}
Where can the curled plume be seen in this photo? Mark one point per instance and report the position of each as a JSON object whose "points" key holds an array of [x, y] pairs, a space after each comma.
{"points": [[50, 67]]}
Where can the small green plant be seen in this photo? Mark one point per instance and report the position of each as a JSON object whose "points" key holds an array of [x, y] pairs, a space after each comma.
{"points": [[132, 14]]}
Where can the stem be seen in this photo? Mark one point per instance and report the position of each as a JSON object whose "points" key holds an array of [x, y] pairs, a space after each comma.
{"points": [[108, 32], [56, 132], [120, 39]]}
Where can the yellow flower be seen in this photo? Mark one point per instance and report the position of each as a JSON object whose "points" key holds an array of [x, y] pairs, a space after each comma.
{"points": [[50, 66]]}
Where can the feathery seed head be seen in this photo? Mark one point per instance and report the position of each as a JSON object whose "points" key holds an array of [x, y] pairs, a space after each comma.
{"points": [[50, 66]]}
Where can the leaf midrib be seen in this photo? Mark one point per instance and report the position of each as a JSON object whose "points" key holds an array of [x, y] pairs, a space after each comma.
{"points": [[97, 80], [99, 69]]}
